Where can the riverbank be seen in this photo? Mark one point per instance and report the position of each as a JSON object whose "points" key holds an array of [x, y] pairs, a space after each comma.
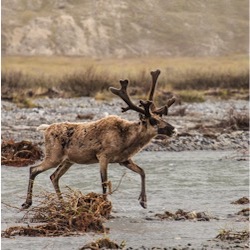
{"points": [[210, 125]]}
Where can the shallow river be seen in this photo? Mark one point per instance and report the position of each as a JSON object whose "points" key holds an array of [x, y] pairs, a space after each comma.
{"points": [[202, 181]]}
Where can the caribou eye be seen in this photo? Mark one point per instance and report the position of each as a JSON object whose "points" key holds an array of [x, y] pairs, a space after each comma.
{"points": [[153, 121]]}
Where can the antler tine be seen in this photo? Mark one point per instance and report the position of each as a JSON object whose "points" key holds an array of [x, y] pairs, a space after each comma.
{"points": [[155, 74], [164, 109], [123, 94], [171, 101]]}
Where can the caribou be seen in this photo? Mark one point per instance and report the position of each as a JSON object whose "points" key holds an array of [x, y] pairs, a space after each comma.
{"points": [[108, 140]]}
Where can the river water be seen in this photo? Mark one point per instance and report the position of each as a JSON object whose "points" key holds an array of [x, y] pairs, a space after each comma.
{"points": [[202, 181]]}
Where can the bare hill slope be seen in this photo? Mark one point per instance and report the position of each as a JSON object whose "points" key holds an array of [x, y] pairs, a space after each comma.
{"points": [[99, 28]]}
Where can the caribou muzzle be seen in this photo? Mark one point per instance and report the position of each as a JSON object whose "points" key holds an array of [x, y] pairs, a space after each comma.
{"points": [[168, 130]]}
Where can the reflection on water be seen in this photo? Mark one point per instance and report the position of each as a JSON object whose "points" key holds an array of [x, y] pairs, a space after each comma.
{"points": [[200, 180]]}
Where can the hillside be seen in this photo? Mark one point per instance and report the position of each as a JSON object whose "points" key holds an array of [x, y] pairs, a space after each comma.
{"points": [[124, 28]]}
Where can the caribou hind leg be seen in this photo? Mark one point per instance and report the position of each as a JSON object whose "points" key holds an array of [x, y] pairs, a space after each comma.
{"points": [[59, 172], [34, 171]]}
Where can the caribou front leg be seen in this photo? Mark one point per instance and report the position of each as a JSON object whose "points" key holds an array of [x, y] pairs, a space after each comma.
{"points": [[103, 171], [132, 166]]}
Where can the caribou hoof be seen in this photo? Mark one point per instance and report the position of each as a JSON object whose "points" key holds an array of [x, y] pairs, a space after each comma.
{"points": [[143, 200], [26, 204], [143, 204]]}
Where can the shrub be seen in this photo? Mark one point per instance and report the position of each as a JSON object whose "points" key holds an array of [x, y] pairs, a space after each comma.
{"points": [[86, 83], [199, 80]]}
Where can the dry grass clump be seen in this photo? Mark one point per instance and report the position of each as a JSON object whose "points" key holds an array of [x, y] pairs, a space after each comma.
{"points": [[191, 96], [19, 154], [236, 120], [243, 200], [204, 79], [185, 215], [17, 85], [229, 235], [13, 80], [85, 83], [78, 213], [20, 87], [103, 243], [232, 121], [244, 212]]}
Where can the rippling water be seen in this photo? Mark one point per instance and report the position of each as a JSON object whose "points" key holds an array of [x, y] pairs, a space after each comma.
{"points": [[200, 180]]}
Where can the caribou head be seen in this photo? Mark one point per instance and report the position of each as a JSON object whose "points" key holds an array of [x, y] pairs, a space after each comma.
{"points": [[149, 114]]}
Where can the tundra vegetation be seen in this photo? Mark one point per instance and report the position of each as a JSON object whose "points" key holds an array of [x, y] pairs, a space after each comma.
{"points": [[192, 78]]}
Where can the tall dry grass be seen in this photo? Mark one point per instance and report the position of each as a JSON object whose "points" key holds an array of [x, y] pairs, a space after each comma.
{"points": [[79, 76]]}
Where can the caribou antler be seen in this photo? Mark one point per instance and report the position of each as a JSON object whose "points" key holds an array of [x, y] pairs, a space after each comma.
{"points": [[123, 94], [149, 105], [164, 109], [155, 75]]}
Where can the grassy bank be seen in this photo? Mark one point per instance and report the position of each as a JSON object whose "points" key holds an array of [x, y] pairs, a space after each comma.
{"points": [[79, 76]]}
